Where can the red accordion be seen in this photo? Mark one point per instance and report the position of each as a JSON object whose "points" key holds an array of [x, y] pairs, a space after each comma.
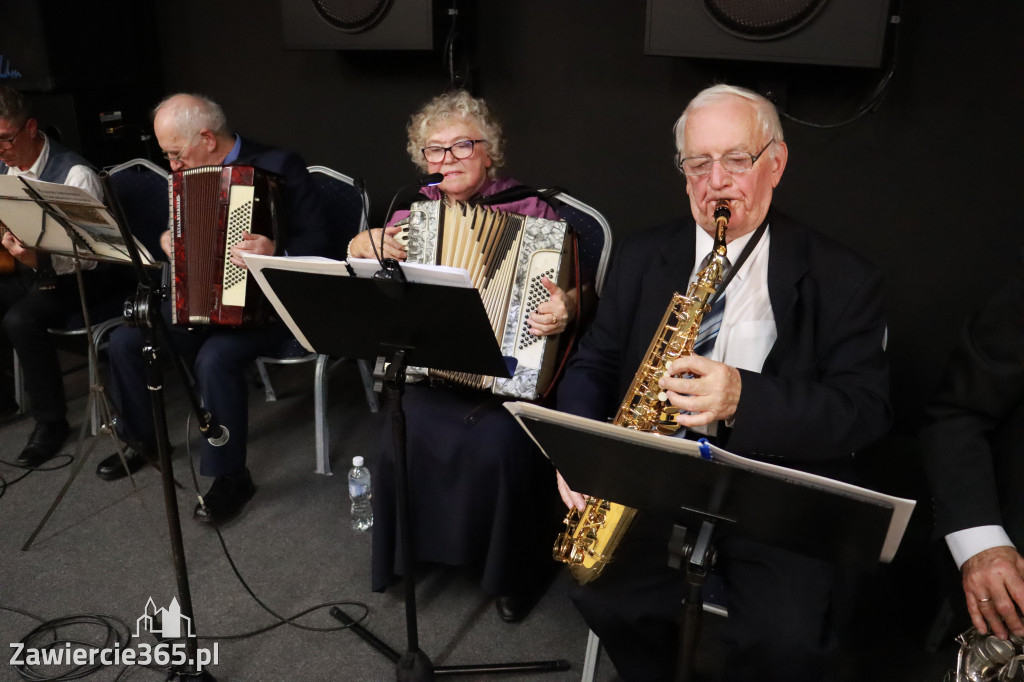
{"points": [[210, 208]]}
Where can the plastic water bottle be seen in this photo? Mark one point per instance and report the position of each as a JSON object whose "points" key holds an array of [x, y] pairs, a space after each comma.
{"points": [[359, 491]]}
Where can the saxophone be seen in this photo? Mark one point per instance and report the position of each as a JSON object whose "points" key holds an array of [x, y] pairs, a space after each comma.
{"points": [[591, 536], [986, 658]]}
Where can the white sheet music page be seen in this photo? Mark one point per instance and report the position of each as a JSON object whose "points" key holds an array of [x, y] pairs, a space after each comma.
{"points": [[93, 230]]}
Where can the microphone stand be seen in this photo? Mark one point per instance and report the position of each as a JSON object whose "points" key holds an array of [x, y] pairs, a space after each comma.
{"points": [[390, 268], [143, 311], [414, 665]]}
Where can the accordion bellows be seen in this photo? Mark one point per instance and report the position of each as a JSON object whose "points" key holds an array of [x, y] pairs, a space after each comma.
{"points": [[210, 208], [506, 255]]}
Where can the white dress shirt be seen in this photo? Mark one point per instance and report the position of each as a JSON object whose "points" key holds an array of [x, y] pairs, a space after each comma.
{"points": [[748, 329], [79, 176]]}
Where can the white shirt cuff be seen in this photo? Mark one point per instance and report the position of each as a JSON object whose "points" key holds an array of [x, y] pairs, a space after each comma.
{"points": [[963, 544]]}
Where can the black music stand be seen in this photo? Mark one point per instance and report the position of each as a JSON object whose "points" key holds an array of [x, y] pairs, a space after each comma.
{"points": [[143, 311], [58, 219], [710, 490], [406, 333], [64, 220]]}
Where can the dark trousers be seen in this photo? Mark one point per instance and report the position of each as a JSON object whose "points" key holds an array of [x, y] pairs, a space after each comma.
{"points": [[785, 609], [220, 357], [27, 313]]}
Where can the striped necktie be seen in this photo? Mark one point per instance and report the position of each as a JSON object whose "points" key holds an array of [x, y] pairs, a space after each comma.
{"points": [[712, 322]]}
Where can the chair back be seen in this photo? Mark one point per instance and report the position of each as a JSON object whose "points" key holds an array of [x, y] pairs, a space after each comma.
{"points": [[142, 191], [345, 203], [594, 235]]}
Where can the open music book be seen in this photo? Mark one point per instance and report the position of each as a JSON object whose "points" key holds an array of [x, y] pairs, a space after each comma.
{"points": [[37, 213]]}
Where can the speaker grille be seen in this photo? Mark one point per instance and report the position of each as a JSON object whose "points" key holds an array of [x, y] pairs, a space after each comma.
{"points": [[352, 16], [764, 20]]}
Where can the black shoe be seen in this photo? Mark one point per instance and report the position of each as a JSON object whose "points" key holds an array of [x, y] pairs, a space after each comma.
{"points": [[44, 443], [111, 469], [9, 410], [514, 607], [225, 499]]}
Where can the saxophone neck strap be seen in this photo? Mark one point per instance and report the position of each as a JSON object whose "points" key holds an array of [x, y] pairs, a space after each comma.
{"points": [[747, 250]]}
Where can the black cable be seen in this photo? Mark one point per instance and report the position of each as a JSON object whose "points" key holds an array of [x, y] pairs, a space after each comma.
{"points": [[874, 100], [113, 632], [4, 483], [111, 627], [282, 620]]}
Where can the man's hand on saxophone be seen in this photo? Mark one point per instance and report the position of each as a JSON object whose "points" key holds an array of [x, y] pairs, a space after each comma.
{"points": [[570, 497], [705, 390]]}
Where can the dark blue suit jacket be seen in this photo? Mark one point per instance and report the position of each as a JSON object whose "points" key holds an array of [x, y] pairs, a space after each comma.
{"points": [[306, 222], [974, 443], [823, 390]]}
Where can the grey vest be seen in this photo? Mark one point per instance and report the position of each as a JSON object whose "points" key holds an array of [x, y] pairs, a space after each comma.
{"points": [[59, 163]]}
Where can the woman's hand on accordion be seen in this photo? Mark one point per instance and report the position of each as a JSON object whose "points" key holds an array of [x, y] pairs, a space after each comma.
{"points": [[554, 315], [251, 243], [362, 245]]}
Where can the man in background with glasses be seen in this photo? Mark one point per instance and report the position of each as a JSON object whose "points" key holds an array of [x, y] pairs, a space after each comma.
{"points": [[796, 376], [42, 292], [192, 131]]}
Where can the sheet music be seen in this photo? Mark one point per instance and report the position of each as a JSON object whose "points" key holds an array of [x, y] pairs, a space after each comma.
{"points": [[93, 230], [901, 508]]}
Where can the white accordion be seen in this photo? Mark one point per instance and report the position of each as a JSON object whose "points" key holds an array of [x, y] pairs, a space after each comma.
{"points": [[506, 255]]}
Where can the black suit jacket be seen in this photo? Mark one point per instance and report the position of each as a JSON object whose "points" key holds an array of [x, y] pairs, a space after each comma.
{"points": [[974, 441], [823, 390], [306, 224]]}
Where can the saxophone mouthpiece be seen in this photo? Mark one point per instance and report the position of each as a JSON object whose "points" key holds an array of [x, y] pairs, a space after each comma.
{"points": [[722, 211]]}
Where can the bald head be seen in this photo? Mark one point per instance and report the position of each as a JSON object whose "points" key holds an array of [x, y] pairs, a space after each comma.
{"points": [[192, 131]]}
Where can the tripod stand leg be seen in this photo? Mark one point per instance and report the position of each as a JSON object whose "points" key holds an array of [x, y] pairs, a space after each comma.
{"points": [[80, 459], [90, 405]]}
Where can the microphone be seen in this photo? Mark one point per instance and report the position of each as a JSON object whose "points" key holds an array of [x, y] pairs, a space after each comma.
{"points": [[216, 434], [221, 439], [390, 268]]}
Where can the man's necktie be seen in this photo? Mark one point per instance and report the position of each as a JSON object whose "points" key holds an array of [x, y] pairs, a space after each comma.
{"points": [[712, 322]]}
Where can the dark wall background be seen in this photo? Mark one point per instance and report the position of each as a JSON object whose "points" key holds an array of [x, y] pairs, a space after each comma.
{"points": [[928, 185]]}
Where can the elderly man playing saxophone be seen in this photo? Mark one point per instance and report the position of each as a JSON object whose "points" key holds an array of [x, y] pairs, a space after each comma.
{"points": [[796, 376]]}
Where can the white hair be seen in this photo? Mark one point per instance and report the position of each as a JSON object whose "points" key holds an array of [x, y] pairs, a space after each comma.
{"points": [[767, 116], [192, 113]]}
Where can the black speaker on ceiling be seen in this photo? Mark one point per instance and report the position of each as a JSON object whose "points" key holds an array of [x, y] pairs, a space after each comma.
{"points": [[830, 32], [358, 24]]}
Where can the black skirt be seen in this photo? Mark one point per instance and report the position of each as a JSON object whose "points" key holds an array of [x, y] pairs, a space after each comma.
{"points": [[482, 494]]}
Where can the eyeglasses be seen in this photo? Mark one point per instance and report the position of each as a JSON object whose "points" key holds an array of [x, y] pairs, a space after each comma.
{"points": [[733, 162], [9, 141], [177, 157], [460, 150]]}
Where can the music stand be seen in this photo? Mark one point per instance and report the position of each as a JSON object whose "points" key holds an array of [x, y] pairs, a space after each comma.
{"points": [[64, 220], [406, 333], [713, 490]]}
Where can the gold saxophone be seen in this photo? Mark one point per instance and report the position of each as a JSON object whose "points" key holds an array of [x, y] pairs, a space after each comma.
{"points": [[591, 536]]}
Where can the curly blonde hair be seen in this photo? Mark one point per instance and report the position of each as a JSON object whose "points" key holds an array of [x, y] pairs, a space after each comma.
{"points": [[440, 111]]}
